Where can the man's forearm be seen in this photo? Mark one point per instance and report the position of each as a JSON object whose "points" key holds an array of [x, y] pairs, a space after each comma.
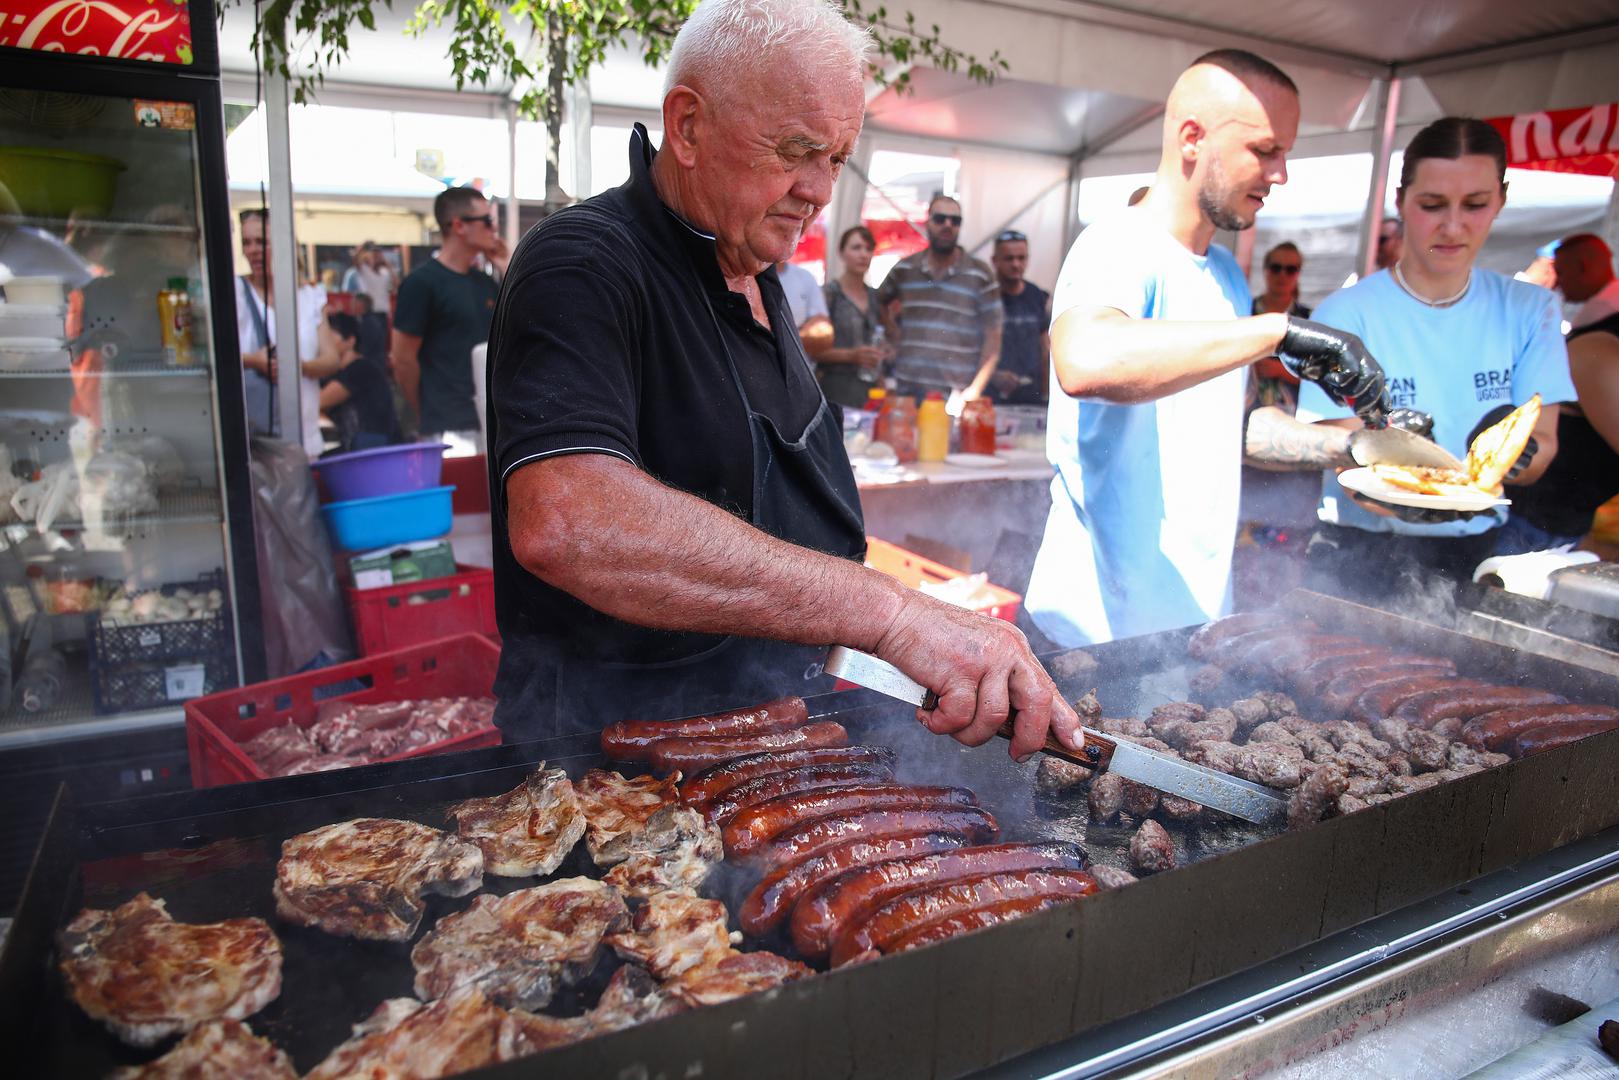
{"points": [[991, 359], [1106, 355], [679, 563], [407, 368], [1277, 442]]}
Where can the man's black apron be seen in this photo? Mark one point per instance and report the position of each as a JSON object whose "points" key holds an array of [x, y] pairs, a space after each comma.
{"points": [[803, 493]]}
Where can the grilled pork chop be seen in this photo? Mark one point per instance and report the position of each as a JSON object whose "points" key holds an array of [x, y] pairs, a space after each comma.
{"points": [[682, 940], [365, 878], [617, 808], [147, 977], [529, 830], [674, 850], [519, 947], [218, 1050]]}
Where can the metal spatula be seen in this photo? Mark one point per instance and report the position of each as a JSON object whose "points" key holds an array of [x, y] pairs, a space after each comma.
{"points": [[1206, 787]]}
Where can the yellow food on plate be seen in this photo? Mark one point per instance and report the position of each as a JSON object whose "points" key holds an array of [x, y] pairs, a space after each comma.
{"points": [[1492, 454], [1430, 481]]}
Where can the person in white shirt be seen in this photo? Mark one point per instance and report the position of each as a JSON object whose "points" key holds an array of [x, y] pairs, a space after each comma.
{"points": [[1150, 348], [1585, 276], [255, 326], [371, 275], [804, 295]]}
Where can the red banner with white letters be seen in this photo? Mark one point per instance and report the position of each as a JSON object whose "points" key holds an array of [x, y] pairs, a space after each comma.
{"points": [[1562, 140], [157, 31]]}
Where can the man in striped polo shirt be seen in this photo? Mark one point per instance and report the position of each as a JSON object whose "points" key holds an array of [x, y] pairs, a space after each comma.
{"points": [[947, 322]]}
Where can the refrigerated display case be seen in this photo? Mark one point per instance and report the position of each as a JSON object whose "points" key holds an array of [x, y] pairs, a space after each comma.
{"points": [[127, 572]]}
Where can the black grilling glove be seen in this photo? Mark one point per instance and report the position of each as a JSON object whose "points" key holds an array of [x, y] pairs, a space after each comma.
{"points": [[1339, 363], [1530, 448]]}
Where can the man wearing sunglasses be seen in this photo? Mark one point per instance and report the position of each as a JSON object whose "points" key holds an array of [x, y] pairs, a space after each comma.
{"points": [[943, 309], [444, 311]]}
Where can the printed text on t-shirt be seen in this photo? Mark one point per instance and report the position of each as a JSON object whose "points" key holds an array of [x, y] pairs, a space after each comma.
{"points": [[1493, 385]]}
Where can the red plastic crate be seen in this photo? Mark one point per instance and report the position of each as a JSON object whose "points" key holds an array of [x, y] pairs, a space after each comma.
{"points": [[393, 616], [912, 569], [217, 725]]}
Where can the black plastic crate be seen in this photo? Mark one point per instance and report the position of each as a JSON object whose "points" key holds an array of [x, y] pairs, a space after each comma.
{"points": [[114, 647], [164, 683]]}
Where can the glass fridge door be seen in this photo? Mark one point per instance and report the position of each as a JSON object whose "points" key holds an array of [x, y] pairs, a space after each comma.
{"points": [[114, 553]]}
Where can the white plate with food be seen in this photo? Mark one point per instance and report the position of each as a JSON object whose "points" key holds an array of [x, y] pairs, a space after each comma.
{"points": [[1442, 493]]}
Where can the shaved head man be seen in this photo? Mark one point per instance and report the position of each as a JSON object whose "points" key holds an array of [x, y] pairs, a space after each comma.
{"points": [[1585, 276], [1150, 347]]}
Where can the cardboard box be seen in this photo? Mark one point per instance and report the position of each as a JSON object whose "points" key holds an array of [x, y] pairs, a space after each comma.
{"points": [[402, 564]]}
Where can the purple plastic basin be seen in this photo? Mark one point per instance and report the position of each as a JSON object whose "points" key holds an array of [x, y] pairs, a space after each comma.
{"points": [[387, 470]]}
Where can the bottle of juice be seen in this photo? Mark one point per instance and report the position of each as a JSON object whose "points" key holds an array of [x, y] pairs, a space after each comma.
{"points": [[897, 422], [174, 315], [932, 428]]}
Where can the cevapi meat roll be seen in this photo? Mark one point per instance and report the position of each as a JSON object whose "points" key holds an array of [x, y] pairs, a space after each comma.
{"points": [[756, 826], [701, 751], [716, 780], [770, 902], [1426, 710], [892, 920], [791, 781], [1552, 736], [632, 740], [824, 914], [819, 834], [1494, 730]]}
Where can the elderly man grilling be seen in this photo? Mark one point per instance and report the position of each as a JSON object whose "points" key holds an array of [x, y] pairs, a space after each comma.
{"points": [[677, 529]]}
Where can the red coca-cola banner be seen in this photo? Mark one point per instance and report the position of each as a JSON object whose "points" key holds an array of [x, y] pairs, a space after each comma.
{"points": [[158, 31], [1564, 140]]}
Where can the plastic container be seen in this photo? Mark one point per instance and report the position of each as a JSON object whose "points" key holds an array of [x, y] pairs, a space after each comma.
{"points": [[47, 182], [932, 428], [46, 322], [385, 470], [363, 524], [116, 645], [978, 427], [394, 616], [912, 569], [896, 425], [161, 684], [217, 725], [36, 292]]}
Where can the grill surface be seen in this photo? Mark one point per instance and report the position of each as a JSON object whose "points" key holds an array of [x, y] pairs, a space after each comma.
{"points": [[1247, 897]]}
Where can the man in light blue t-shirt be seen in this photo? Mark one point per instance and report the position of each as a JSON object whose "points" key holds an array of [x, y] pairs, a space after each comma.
{"points": [[1150, 347]]}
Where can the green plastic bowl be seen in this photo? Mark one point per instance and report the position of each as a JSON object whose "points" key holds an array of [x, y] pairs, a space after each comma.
{"points": [[57, 183]]}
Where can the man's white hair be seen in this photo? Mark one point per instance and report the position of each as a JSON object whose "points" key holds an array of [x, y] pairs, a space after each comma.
{"points": [[723, 37]]}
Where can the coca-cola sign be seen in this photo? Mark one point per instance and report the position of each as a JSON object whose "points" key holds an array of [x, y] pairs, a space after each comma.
{"points": [[158, 31]]}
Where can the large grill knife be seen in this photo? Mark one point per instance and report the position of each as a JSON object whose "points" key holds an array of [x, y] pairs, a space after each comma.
{"points": [[1204, 786]]}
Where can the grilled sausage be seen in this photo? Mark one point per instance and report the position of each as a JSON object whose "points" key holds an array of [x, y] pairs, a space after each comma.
{"points": [[1494, 730], [1351, 681], [1308, 679], [632, 740], [716, 780], [772, 900], [826, 912], [893, 920], [758, 825], [1202, 643], [804, 778], [1379, 704], [1551, 736], [1282, 658], [819, 834], [1231, 652], [963, 922], [1429, 709], [691, 754]]}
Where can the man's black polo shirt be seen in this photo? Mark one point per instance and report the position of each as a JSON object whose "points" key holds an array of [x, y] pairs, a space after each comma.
{"points": [[603, 343]]}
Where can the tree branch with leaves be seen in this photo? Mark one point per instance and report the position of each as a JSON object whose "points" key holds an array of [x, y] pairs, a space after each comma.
{"points": [[536, 49]]}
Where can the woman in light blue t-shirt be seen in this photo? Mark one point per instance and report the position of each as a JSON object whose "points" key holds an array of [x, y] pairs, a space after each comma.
{"points": [[1460, 343]]}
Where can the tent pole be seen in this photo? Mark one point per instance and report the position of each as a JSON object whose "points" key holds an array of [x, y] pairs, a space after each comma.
{"points": [[1388, 118], [1070, 217], [283, 236], [511, 227]]}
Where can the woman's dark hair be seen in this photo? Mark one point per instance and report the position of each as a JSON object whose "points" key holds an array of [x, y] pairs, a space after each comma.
{"points": [[1450, 138], [860, 231], [1285, 245], [346, 325]]}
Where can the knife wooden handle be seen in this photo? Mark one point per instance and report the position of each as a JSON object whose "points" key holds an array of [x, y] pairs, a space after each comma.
{"points": [[1096, 753]]}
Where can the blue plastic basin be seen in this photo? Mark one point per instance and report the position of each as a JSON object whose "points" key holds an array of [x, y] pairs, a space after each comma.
{"points": [[385, 520], [383, 470]]}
